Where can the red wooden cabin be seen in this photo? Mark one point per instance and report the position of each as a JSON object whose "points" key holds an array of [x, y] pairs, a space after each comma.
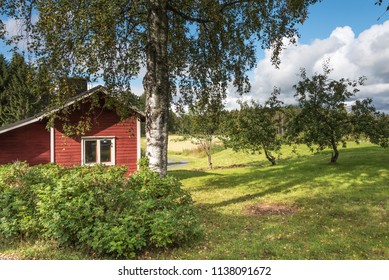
{"points": [[109, 141]]}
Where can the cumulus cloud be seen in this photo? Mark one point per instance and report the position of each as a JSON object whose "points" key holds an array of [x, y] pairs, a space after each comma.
{"points": [[349, 55]]}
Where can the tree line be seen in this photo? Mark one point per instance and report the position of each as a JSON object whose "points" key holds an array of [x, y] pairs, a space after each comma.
{"points": [[321, 119], [23, 89]]}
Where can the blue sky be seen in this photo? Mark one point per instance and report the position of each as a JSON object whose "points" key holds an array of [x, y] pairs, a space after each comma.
{"points": [[327, 15], [348, 34], [345, 32]]}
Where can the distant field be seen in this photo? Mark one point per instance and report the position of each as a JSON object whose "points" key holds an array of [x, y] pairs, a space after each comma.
{"points": [[227, 157], [176, 145]]}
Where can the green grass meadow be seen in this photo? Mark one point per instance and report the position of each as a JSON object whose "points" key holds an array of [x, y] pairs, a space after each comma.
{"points": [[302, 208]]}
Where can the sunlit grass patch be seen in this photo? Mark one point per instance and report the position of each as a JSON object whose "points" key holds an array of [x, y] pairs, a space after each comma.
{"points": [[342, 209]]}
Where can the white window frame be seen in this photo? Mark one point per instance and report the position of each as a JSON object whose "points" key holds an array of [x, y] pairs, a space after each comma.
{"points": [[98, 139]]}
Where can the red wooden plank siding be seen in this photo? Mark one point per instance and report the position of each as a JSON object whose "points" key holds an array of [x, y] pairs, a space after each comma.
{"points": [[106, 123], [29, 143]]}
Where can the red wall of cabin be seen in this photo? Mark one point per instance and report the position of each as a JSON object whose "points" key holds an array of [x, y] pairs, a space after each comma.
{"points": [[105, 123], [29, 143]]}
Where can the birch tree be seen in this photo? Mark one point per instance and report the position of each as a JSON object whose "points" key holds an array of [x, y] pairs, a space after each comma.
{"points": [[186, 46]]}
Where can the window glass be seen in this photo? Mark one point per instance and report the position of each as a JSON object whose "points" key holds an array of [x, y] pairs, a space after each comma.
{"points": [[90, 151], [105, 150]]}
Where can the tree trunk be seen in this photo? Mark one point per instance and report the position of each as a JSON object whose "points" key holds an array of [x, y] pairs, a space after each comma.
{"points": [[334, 156], [209, 153], [269, 156], [206, 146], [335, 153], [156, 86]]}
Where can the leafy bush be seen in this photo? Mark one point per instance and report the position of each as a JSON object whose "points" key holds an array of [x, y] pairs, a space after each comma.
{"points": [[18, 197], [95, 208], [165, 207], [13, 199]]}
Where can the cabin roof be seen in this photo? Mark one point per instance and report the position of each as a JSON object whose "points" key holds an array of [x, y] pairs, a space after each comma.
{"points": [[40, 116]]}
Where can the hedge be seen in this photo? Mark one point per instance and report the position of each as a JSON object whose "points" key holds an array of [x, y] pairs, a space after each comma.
{"points": [[96, 208]]}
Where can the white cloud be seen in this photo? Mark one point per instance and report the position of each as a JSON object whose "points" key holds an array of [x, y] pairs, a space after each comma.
{"points": [[350, 57], [16, 27], [13, 27], [137, 89]]}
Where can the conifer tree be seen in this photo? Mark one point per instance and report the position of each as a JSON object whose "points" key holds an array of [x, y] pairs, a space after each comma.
{"points": [[23, 91]]}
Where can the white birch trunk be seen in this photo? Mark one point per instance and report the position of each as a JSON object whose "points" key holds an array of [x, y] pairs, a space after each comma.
{"points": [[156, 85]]}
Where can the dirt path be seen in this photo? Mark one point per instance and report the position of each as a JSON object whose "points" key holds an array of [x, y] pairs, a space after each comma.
{"points": [[176, 163]]}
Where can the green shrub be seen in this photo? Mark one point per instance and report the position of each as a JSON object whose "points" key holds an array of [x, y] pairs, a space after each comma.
{"points": [[77, 199], [18, 197], [95, 208], [166, 208]]}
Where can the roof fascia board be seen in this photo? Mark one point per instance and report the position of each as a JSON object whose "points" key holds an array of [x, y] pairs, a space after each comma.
{"points": [[30, 121], [52, 111], [73, 100]]}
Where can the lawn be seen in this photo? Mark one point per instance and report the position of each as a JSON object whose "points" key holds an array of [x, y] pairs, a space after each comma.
{"points": [[302, 208]]}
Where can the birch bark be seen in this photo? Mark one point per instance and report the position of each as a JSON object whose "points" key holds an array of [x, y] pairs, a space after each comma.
{"points": [[156, 85]]}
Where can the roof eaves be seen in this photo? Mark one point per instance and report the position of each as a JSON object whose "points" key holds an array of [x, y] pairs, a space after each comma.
{"points": [[21, 123], [70, 102], [140, 113], [43, 115]]}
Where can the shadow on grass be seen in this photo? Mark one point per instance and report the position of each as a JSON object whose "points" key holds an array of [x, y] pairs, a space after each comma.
{"points": [[323, 230], [247, 197], [183, 174], [358, 169], [342, 209]]}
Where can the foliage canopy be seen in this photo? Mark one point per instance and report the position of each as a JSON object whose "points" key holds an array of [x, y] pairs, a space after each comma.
{"points": [[254, 127], [324, 120], [195, 48]]}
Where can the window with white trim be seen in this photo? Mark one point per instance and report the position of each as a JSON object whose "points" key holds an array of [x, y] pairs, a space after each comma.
{"points": [[98, 150]]}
